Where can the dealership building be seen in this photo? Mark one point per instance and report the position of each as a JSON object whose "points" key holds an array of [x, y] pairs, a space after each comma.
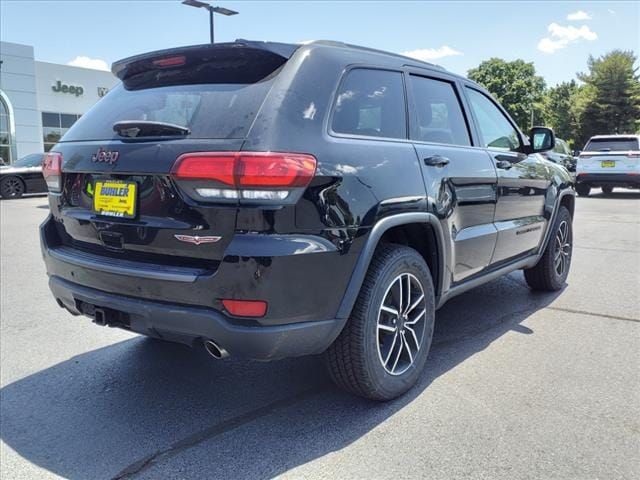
{"points": [[39, 101]]}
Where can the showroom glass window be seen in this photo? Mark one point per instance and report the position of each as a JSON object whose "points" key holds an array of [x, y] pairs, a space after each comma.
{"points": [[438, 111], [54, 126], [371, 103], [5, 134]]}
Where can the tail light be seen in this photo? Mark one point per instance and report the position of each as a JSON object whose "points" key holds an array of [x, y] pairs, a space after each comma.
{"points": [[52, 171], [247, 177]]}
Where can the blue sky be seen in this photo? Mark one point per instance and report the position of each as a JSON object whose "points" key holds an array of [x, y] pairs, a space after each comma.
{"points": [[557, 36]]}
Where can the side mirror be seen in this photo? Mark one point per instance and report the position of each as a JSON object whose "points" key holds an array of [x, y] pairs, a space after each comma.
{"points": [[576, 153], [541, 139]]}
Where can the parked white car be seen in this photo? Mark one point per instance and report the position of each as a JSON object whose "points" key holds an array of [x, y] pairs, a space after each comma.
{"points": [[609, 161]]}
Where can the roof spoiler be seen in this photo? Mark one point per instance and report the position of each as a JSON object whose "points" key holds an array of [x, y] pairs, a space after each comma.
{"points": [[127, 67]]}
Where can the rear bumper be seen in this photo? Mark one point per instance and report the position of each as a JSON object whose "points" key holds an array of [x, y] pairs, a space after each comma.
{"points": [[612, 179], [190, 324], [303, 288]]}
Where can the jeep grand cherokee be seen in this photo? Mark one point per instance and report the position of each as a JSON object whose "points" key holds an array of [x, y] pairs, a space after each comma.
{"points": [[271, 200]]}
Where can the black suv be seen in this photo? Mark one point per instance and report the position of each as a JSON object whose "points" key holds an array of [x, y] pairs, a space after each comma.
{"points": [[271, 200]]}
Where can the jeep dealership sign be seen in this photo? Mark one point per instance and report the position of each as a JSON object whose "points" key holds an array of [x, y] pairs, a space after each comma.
{"points": [[76, 90]]}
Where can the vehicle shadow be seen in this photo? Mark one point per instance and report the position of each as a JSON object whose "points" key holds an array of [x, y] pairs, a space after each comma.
{"points": [[135, 407]]}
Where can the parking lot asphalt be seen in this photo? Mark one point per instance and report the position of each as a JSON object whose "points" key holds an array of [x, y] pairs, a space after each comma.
{"points": [[519, 385]]}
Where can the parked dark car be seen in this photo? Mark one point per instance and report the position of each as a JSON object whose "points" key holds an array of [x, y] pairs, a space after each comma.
{"points": [[271, 200], [562, 155], [24, 176]]}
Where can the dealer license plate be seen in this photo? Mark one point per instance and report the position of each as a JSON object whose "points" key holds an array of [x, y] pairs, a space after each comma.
{"points": [[115, 199]]}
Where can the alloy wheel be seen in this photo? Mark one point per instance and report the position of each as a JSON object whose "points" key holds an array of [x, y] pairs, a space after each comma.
{"points": [[401, 324], [562, 255], [12, 187]]}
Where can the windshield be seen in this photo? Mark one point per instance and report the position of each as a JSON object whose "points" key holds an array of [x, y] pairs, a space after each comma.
{"points": [[221, 110], [611, 145]]}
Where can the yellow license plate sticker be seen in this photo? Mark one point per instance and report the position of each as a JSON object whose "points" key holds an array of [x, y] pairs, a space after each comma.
{"points": [[115, 199], [608, 163]]}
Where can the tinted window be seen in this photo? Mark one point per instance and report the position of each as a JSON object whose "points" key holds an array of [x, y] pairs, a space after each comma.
{"points": [[496, 131], [371, 103], [439, 114], [611, 145], [220, 110]]}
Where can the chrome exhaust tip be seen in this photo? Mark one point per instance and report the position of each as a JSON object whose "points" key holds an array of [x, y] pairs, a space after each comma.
{"points": [[215, 350]]}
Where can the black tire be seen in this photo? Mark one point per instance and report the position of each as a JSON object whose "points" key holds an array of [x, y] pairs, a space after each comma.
{"points": [[12, 187], [583, 189], [607, 190], [355, 360], [546, 275]]}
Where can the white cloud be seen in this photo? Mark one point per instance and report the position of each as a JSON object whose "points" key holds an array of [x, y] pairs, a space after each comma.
{"points": [[611, 12], [428, 54], [579, 15], [86, 62], [560, 37]]}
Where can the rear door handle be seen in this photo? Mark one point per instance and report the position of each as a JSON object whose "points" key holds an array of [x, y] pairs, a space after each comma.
{"points": [[436, 161]]}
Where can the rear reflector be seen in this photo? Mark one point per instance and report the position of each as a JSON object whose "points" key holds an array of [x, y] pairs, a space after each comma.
{"points": [[52, 171], [250, 176], [245, 308]]}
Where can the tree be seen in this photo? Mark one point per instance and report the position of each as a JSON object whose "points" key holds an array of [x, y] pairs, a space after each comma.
{"points": [[559, 109], [515, 85], [609, 101]]}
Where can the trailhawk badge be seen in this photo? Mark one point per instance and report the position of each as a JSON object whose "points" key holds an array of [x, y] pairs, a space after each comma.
{"points": [[197, 240]]}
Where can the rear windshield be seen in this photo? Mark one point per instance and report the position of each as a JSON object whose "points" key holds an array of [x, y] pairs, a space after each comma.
{"points": [[220, 110], [611, 145]]}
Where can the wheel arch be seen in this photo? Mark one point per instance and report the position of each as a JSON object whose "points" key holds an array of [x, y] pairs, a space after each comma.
{"points": [[418, 230], [566, 198]]}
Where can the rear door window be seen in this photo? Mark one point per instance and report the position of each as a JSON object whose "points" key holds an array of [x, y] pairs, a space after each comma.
{"points": [[438, 111], [611, 145], [371, 103]]}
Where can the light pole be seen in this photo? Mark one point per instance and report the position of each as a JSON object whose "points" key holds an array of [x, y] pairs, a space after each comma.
{"points": [[212, 10]]}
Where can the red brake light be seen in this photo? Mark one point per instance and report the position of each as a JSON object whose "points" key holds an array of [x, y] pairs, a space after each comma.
{"points": [[275, 170], [170, 61], [52, 171], [250, 176], [245, 308], [206, 166]]}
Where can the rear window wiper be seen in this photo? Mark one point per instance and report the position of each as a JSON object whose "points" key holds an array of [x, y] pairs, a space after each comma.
{"points": [[147, 128]]}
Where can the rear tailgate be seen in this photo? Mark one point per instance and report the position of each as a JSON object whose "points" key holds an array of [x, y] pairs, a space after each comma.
{"points": [[161, 212], [215, 92]]}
